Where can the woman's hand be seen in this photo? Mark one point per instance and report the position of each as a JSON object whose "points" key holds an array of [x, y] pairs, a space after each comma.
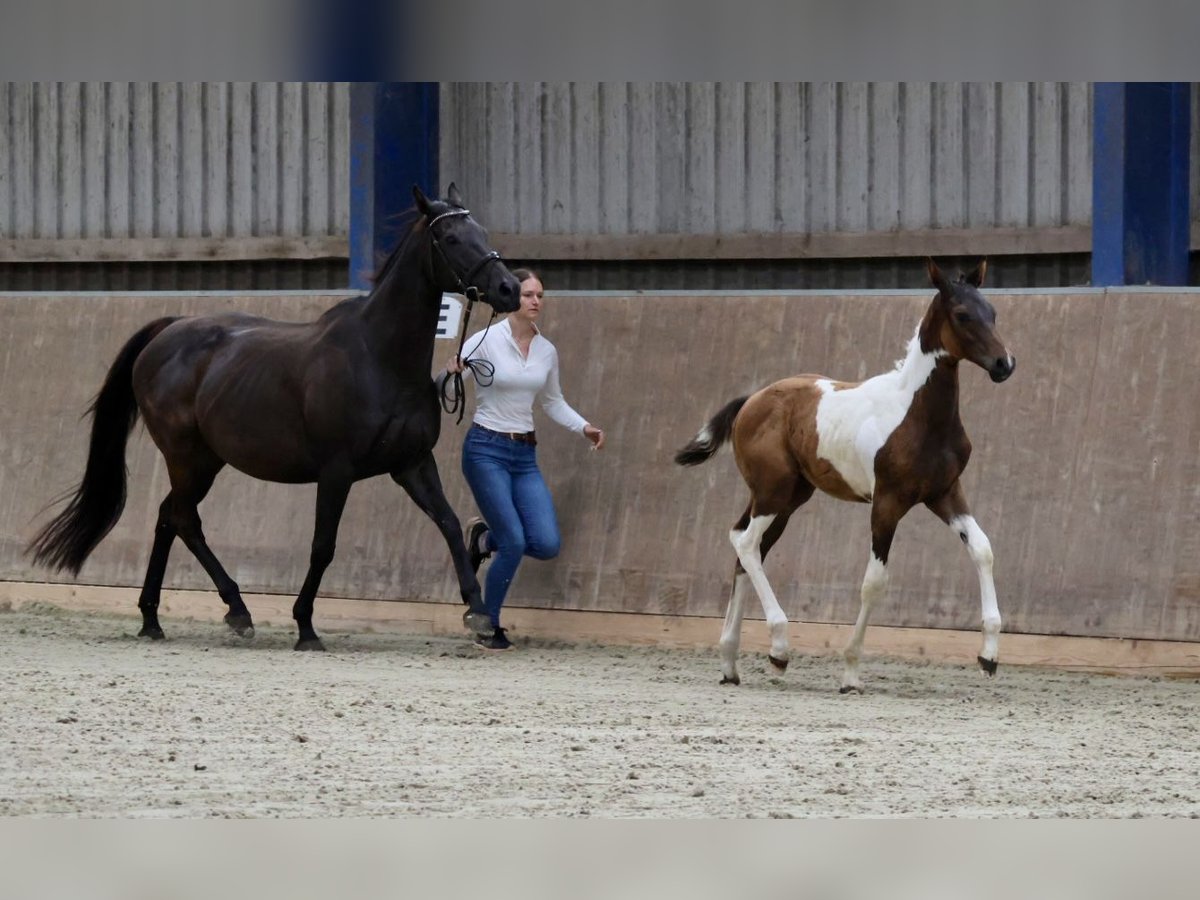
{"points": [[455, 365], [595, 435]]}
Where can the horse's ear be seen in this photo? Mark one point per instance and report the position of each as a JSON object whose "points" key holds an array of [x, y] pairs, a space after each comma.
{"points": [[421, 200], [453, 196], [937, 278], [975, 276]]}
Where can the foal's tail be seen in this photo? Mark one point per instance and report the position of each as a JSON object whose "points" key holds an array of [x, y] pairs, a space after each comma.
{"points": [[70, 537], [710, 438]]}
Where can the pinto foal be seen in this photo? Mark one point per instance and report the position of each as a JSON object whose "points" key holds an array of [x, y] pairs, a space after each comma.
{"points": [[893, 441]]}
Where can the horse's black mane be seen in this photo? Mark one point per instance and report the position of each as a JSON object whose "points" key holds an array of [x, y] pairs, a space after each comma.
{"points": [[413, 228]]}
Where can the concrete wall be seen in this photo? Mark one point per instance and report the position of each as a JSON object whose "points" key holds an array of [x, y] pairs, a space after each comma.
{"points": [[1086, 473]]}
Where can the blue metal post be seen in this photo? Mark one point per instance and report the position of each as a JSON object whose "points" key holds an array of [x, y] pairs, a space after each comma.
{"points": [[393, 145], [1140, 195]]}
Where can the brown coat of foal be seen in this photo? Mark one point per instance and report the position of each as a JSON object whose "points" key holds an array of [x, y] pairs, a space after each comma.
{"points": [[894, 441]]}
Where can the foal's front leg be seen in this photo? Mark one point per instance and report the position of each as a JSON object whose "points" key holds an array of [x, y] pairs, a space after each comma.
{"points": [[424, 486], [952, 509], [886, 513]]}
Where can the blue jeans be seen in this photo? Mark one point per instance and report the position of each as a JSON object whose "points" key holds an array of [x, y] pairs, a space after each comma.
{"points": [[514, 501]]}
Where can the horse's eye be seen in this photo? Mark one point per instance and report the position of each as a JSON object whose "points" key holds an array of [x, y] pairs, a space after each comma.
{"points": [[451, 239], [962, 318]]}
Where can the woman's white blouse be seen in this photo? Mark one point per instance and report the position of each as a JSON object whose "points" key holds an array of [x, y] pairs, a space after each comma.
{"points": [[507, 403]]}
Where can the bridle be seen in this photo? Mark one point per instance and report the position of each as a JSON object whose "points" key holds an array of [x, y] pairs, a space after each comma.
{"points": [[464, 281], [455, 400]]}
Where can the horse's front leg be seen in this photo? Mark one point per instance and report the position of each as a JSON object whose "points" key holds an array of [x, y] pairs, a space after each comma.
{"points": [[333, 487], [886, 513], [952, 509], [423, 483]]}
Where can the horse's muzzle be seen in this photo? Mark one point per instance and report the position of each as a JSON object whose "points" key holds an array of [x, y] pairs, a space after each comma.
{"points": [[1002, 368], [505, 295]]}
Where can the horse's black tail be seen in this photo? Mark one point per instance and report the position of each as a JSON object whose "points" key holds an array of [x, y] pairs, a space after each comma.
{"points": [[710, 438], [70, 537]]}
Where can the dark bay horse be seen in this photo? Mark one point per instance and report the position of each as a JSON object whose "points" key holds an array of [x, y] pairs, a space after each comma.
{"points": [[893, 441], [334, 401]]}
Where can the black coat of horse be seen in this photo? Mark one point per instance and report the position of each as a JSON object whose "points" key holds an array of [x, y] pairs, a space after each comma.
{"points": [[347, 397]]}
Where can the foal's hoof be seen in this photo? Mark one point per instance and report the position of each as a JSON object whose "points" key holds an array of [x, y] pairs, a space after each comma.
{"points": [[478, 622], [780, 664], [154, 633], [240, 623], [310, 644], [988, 665], [731, 679]]}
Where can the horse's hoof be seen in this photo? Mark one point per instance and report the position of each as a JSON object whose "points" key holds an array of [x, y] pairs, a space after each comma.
{"points": [[478, 622], [155, 633], [988, 665], [735, 681], [850, 689], [241, 624], [780, 664], [310, 644]]}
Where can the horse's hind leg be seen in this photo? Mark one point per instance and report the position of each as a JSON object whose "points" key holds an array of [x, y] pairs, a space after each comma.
{"points": [[886, 513], [731, 631], [752, 537], [164, 537], [952, 509], [333, 487], [190, 483], [423, 484]]}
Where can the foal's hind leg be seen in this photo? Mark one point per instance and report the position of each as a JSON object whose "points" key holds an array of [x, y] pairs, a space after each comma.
{"points": [[755, 534], [164, 537], [731, 631], [423, 484], [886, 513], [333, 487], [952, 509], [190, 483]]}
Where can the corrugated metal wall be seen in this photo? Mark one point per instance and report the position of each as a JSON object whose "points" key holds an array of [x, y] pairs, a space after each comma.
{"points": [[117, 159], [701, 158]]}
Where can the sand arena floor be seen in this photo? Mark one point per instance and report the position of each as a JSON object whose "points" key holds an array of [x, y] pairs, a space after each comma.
{"points": [[99, 723]]}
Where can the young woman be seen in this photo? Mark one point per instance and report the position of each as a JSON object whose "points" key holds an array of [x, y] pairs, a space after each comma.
{"points": [[499, 458]]}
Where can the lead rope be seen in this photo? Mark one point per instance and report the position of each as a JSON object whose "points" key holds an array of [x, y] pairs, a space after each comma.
{"points": [[454, 388]]}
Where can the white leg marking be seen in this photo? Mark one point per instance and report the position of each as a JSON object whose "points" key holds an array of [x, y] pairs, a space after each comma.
{"points": [[874, 586], [980, 549], [731, 632], [747, 544]]}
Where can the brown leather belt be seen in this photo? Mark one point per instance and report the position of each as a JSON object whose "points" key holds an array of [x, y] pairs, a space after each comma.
{"points": [[521, 437]]}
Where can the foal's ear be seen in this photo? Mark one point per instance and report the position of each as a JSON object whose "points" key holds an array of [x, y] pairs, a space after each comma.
{"points": [[453, 196], [937, 278], [975, 276], [421, 200]]}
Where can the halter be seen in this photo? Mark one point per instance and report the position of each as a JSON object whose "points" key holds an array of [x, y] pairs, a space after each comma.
{"points": [[455, 400]]}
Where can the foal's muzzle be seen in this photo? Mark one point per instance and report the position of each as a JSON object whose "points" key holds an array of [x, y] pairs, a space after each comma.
{"points": [[1002, 368]]}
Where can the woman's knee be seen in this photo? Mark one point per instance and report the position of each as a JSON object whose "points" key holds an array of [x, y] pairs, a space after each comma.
{"points": [[543, 547]]}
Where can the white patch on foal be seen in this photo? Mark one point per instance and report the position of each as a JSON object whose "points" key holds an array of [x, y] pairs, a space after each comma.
{"points": [[854, 423]]}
